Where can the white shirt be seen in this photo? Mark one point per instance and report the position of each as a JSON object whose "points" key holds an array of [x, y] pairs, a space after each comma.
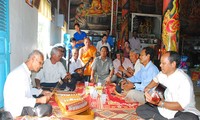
{"points": [[127, 63], [51, 73], [99, 45], [18, 91], [179, 89], [75, 64], [135, 44], [137, 66]]}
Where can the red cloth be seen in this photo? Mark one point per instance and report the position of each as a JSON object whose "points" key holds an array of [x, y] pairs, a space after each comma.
{"points": [[113, 101]]}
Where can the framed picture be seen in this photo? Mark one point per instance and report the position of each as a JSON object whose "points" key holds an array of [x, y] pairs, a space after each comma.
{"points": [[29, 2], [90, 14]]}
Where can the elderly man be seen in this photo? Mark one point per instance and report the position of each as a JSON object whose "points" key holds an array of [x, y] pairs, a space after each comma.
{"points": [[53, 71], [142, 78], [102, 67], [75, 62], [18, 92], [76, 67], [134, 57], [121, 65], [178, 102]]}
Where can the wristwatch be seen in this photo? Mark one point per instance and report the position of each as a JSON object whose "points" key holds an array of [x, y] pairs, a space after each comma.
{"points": [[134, 86], [162, 104]]}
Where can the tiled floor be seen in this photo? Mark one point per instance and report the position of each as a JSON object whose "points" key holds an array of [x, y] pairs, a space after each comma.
{"points": [[197, 94]]}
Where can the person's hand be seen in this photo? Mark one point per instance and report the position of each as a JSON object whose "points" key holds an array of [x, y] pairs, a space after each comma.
{"points": [[118, 75], [147, 89], [128, 86], [68, 75], [38, 87], [131, 71], [152, 98], [108, 80], [121, 68], [46, 93], [123, 82], [92, 80], [43, 99]]}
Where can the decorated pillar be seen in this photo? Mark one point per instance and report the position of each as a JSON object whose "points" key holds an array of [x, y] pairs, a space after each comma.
{"points": [[171, 25], [124, 32], [114, 20]]}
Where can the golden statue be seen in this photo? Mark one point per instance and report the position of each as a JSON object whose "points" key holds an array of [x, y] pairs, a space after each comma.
{"points": [[96, 7]]}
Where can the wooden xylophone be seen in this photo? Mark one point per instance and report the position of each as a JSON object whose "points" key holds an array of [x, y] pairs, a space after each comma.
{"points": [[71, 103]]}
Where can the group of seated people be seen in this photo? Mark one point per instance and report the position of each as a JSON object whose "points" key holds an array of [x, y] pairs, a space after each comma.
{"points": [[134, 75]]}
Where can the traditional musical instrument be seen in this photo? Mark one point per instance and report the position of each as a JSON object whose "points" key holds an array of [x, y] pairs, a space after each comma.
{"points": [[121, 63], [71, 103], [160, 89], [60, 82], [81, 69], [68, 65]]}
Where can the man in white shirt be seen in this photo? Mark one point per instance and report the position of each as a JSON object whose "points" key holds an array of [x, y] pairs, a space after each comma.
{"points": [[135, 42], [75, 62], [53, 71], [121, 64], [101, 43], [18, 91], [76, 66], [178, 102], [134, 57]]}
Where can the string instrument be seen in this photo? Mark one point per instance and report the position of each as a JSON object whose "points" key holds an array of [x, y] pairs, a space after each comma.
{"points": [[60, 82], [160, 89], [68, 65], [81, 69], [121, 65]]}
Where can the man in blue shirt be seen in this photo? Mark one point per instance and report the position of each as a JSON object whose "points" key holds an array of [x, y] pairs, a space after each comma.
{"points": [[79, 36], [141, 79]]}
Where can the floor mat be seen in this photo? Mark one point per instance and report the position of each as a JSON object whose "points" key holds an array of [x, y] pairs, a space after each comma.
{"points": [[115, 107]]}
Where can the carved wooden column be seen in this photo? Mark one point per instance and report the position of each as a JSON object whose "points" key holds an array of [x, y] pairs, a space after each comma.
{"points": [[171, 25], [124, 33]]}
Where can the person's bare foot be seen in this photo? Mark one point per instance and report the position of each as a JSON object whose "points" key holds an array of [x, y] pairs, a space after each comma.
{"points": [[124, 93]]}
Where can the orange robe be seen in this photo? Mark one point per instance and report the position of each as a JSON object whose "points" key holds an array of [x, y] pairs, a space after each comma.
{"points": [[91, 52]]}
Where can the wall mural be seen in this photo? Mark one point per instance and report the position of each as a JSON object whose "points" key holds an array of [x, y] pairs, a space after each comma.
{"points": [[90, 14]]}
